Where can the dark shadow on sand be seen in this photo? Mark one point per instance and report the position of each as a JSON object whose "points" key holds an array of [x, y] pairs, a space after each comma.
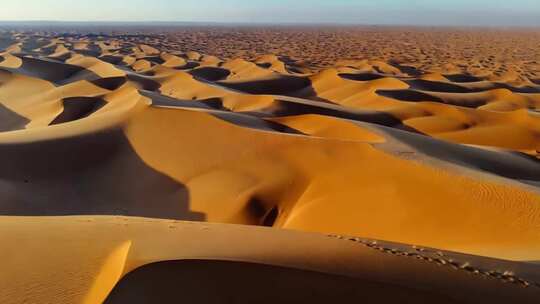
{"points": [[77, 108], [408, 95], [214, 107], [462, 78], [438, 86], [11, 121], [210, 73], [54, 71], [283, 85], [361, 76], [91, 174], [220, 282], [512, 165]]}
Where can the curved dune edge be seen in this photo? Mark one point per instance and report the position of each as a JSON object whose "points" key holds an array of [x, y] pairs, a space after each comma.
{"points": [[109, 275], [100, 248]]}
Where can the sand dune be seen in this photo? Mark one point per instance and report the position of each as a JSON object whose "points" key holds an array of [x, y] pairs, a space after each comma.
{"points": [[194, 261], [126, 137]]}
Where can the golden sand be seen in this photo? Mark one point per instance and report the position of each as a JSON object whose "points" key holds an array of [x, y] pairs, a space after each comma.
{"points": [[153, 153]]}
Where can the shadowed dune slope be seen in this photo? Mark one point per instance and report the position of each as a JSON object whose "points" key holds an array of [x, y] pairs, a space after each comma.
{"points": [[253, 283], [77, 108], [10, 120], [91, 174]]}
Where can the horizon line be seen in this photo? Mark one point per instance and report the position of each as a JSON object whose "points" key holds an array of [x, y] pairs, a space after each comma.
{"points": [[32, 21]]}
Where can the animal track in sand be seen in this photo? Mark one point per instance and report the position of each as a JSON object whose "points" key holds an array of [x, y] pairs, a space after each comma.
{"points": [[440, 258]]}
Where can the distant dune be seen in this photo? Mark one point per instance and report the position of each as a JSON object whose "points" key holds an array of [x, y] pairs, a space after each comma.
{"points": [[134, 173]]}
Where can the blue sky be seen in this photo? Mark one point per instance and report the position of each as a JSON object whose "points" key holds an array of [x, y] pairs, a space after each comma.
{"points": [[421, 12]]}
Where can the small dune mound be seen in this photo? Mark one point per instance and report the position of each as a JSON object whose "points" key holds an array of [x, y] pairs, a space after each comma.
{"points": [[385, 68], [241, 68], [148, 50], [273, 63], [100, 68], [172, 61], [191, 55], [141, 65], [207, 60], [10, 61]]}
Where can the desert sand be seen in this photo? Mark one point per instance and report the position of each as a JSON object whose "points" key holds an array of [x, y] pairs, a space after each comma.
{"points": [[270, 165]]}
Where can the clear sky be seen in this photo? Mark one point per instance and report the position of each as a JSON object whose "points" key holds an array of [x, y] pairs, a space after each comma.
{"points": [[419, 12]]}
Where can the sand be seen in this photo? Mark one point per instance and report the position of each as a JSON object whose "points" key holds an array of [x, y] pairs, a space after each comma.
{"points": [[270, 170]]}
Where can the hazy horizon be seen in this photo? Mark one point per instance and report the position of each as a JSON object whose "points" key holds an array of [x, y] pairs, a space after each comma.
{"points": [[383, 12], [254, 24]]}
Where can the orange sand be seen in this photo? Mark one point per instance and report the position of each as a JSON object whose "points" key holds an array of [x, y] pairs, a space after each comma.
{"points": [[136, 142]]}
